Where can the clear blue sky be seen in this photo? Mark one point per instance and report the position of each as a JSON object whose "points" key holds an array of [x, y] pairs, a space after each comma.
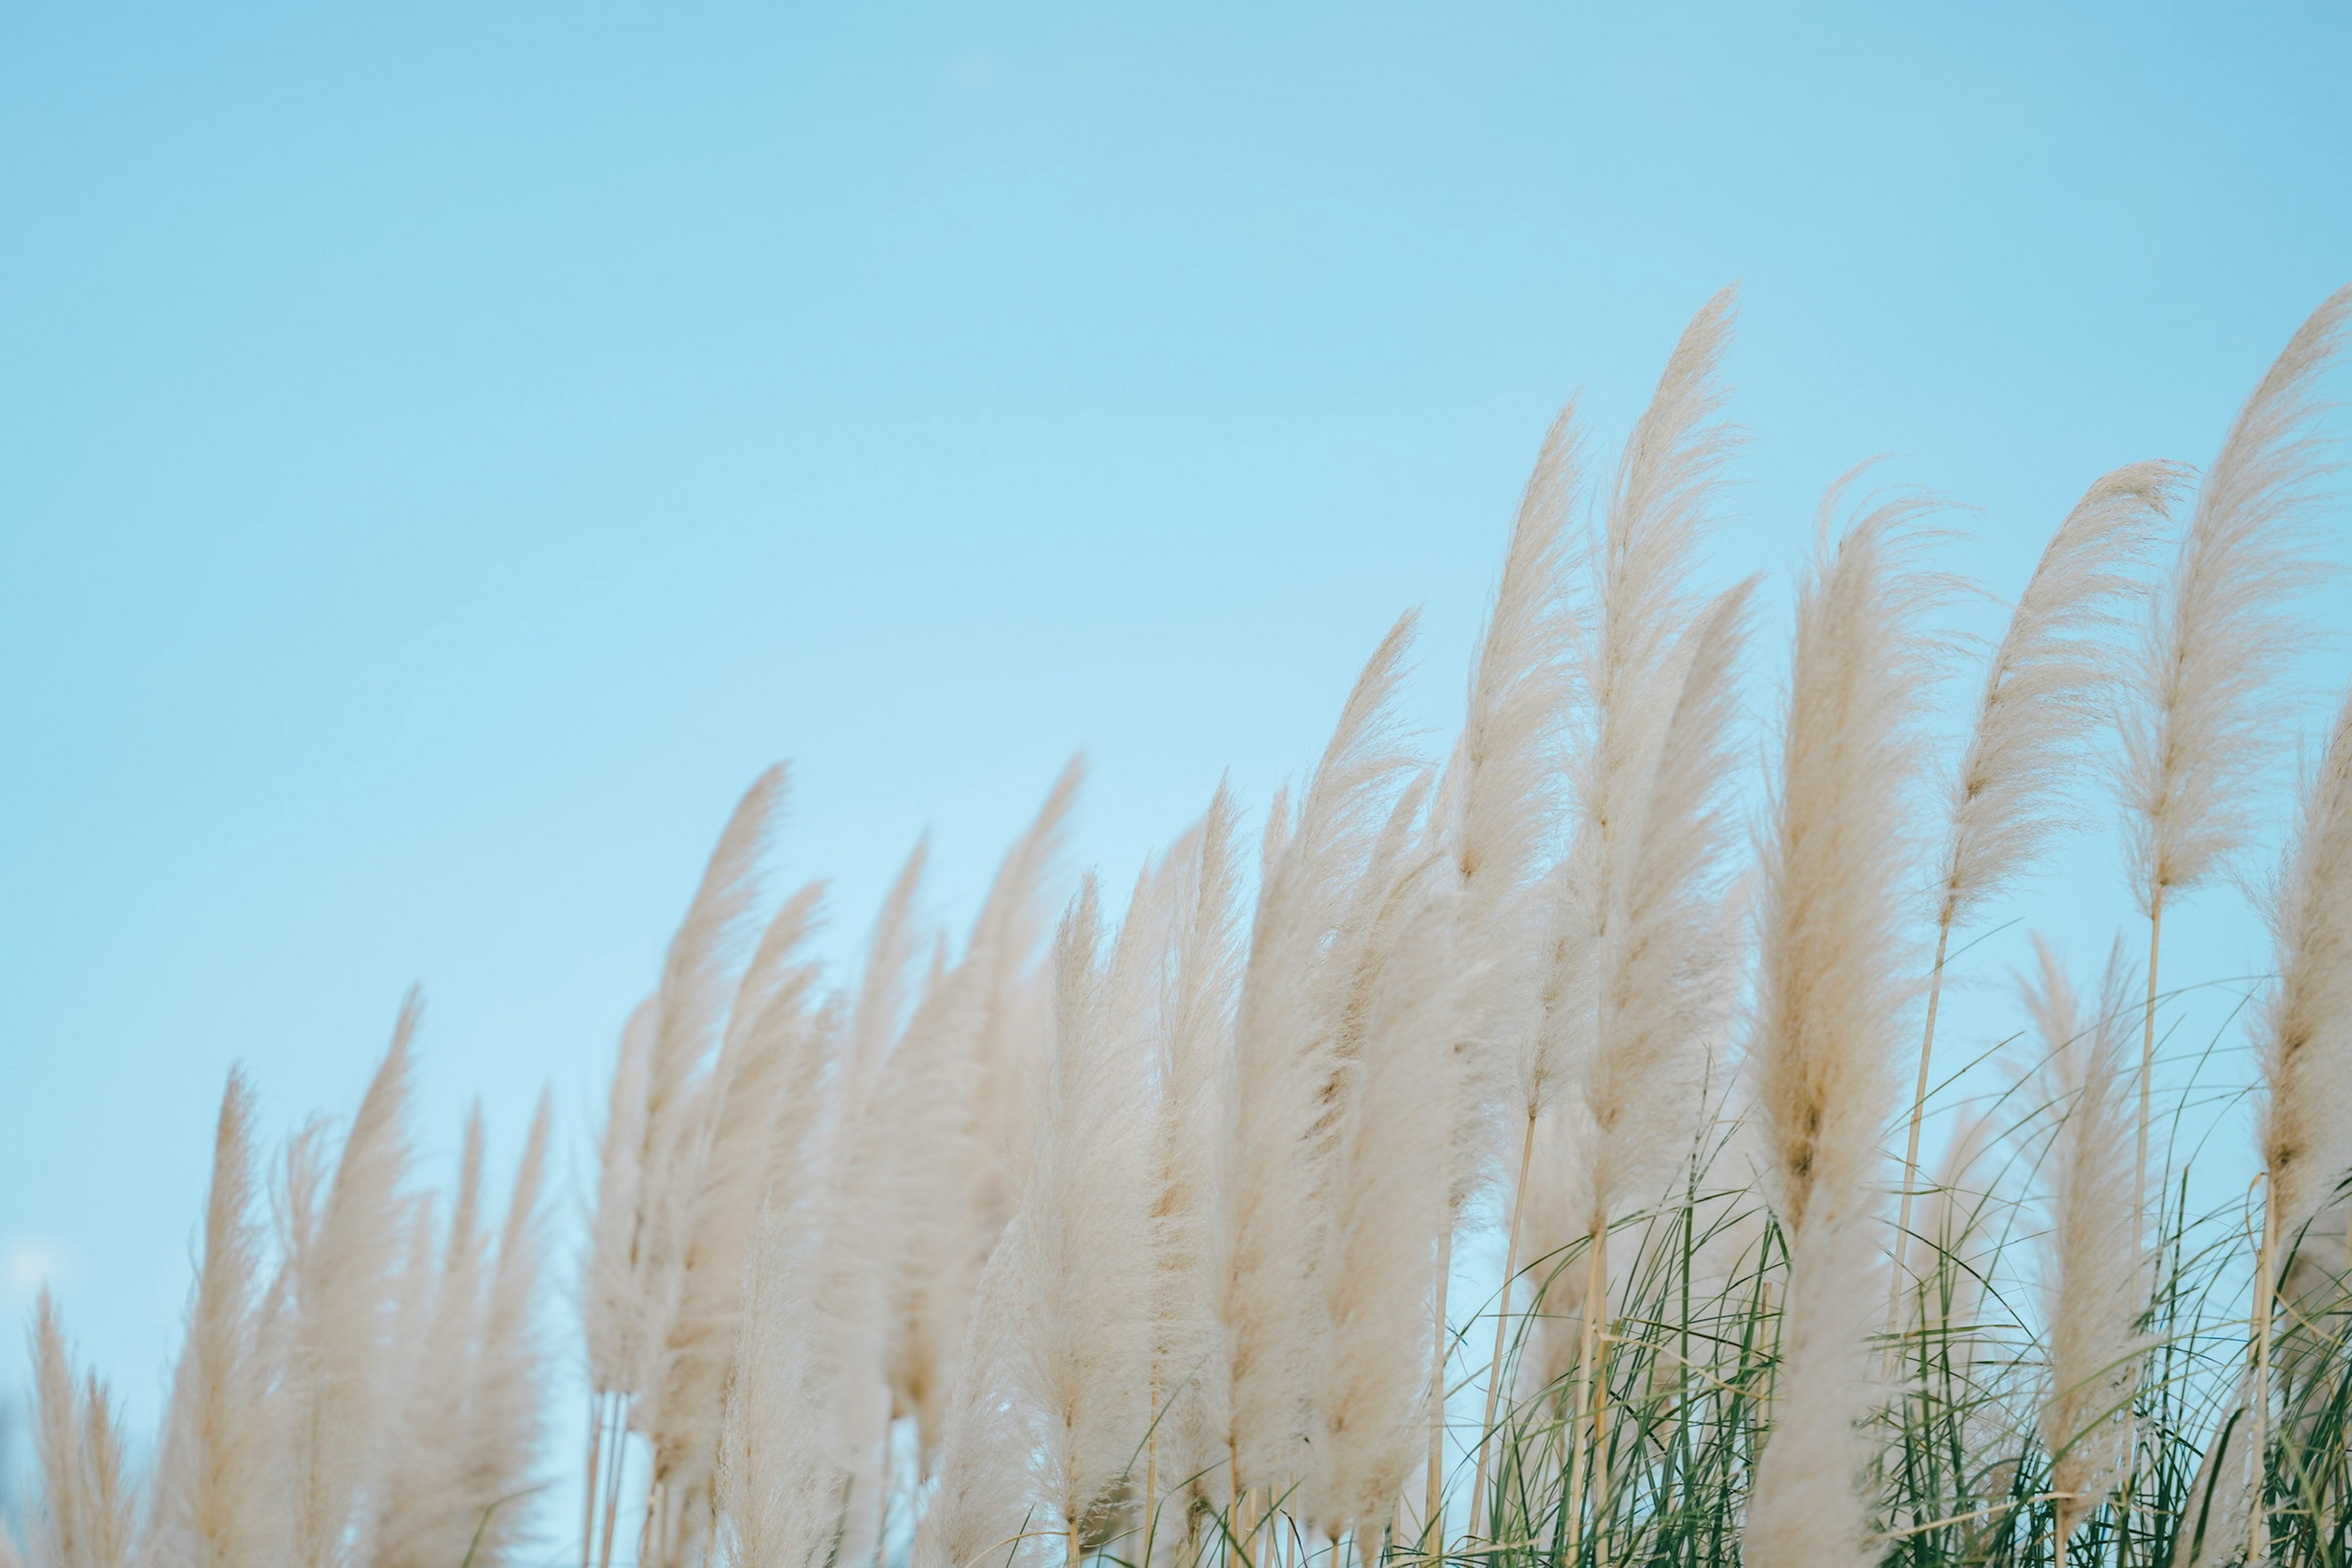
{"points": [[447, 450]]}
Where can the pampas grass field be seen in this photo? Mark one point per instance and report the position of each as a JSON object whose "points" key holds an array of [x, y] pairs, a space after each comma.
{"points": [[1124, 1225]]}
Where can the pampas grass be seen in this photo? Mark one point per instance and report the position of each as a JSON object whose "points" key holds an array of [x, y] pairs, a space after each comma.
{"points": [[2055, 674], [2094, 1274], [1126, 1239], [2205, 721], [1834, 983], [218, 1450]]}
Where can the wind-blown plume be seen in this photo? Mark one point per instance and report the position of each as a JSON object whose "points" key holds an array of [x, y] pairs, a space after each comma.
{"points": [[422, 1517], [2306, 1126], [2307, 1025], [2093, 1281], [1501, 799], [760, 1108], [342, 1279], [1386, 1208], [637, 1253], [1194, 1047], [214, 1484], [976, 1517], [1661, 958], [1266, 1242], [783, 1472], [956, 1079], [2204, 726], [499, 1449], [1078, 1254], [2051, 682], [86, 1496], [1833, 983], [1632, 927]]}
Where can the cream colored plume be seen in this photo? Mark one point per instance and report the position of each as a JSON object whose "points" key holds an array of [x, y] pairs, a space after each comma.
{"points": [[2306, 1024], [1502, 799], [648, 1173], [757, 1113], [422, 1517], [2206, 722], [2094, 1276], [2049, 687], [1662, 954], [505, 1415], [1834, 982], [87, 1504], [1077, 1257], [948, 1094], [216, 1481], [1194, 1047], [1386, 1207], [341, 1280], [1265, 1238]]}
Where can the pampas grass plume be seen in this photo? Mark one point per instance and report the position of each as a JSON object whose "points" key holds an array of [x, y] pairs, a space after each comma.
{"points": [[1833, 983]]}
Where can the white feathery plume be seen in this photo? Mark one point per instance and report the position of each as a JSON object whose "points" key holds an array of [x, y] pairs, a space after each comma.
{"points": [[690, 1009], [1661, 960], [1834, 980], [2206, 721], [343, 1288], [760, 1107], [2094, 1276], [876, 1022], [2046, 691], [1668, 480], [1193, 1044], [612, 1296], [1643, 930], [214, 1505], [885, 986], [1008, 998], [87, 1502], [949, 1088], [2306, 1116], [650, 1169], [2049, 683], [784, 1477], [2307, 1023], [1502, 792], [505, 1423], [1077, 1347], [976, 1517], [1263, 1240], [1386, 1206], [422, 1520], [1501, 800]]}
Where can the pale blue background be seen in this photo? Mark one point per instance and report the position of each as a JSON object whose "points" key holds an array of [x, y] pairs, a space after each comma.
{"points": [[447, 450]]}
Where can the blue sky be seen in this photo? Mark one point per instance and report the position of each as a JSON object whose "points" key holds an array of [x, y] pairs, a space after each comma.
{"points": [[447, 451]]}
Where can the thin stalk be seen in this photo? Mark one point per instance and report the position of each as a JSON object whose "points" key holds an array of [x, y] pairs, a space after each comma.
{"points": [[2147, 1054], [1502, 1323], [1596, 1301], [1600, 1466], [1151, 1469], [613, 1481], [588, 1493], [2258, 1530], [1432, 1516], [1918, 1116]]}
